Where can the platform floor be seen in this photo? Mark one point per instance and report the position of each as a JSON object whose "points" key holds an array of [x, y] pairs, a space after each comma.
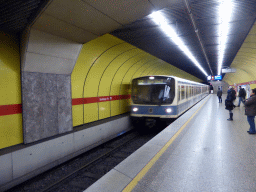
{"points": [[200, 151]]}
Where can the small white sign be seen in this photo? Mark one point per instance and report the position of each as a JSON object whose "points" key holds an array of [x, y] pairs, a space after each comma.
{"points": [[229, 70]]}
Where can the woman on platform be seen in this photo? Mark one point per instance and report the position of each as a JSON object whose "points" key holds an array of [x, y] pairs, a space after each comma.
{"points": [[250, 111], [229, 102]]}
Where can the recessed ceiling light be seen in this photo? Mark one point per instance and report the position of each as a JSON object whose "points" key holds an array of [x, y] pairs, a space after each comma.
{"points": [[225, 12], [163, 23]]}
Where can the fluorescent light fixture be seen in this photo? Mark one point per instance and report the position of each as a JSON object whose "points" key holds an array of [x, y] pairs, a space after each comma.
{"points": [[151, 77], [160, 20], [225, 12]]}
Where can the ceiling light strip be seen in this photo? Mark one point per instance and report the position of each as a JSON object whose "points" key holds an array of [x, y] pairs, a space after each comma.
{"points": [[225, 12], [160, 20]]}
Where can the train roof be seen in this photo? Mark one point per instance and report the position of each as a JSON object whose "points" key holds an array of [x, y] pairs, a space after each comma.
{"points": [[178, 78]]}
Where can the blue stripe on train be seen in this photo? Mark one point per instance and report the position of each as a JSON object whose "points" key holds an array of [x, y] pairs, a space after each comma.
{"points": [[154, 110], [160, 110]]}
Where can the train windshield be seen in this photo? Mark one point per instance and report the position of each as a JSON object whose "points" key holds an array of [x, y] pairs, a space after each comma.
{"points": [[153, 90]]}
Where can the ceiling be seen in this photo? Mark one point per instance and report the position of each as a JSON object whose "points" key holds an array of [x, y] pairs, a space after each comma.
{"points": [[148, 36], [15, 15], [195, 22]]}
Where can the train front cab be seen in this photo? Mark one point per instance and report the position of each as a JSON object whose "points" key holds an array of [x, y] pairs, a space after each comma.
{"points": [[184, 94]]}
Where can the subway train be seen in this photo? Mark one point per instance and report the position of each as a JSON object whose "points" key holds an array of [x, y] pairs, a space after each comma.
{"points": [[163, 98]]}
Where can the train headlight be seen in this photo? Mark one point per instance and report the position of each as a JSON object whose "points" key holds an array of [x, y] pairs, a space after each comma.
{"points": [[168, 110], [135, 109]]}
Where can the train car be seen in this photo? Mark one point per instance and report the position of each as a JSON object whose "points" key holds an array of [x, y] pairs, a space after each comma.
{"points": [[163, 97]]}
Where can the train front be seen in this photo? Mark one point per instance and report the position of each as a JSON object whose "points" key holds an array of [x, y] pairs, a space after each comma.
{"points": [[152, 98]]}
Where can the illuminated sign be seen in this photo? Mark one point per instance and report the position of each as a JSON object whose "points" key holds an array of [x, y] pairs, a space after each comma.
{"points": [[215, 78], [218, 77]]}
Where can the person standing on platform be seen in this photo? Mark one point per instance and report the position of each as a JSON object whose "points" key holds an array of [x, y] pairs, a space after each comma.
{"points": [[219, 94], [229, 102], [250, 111], [241, 95]]}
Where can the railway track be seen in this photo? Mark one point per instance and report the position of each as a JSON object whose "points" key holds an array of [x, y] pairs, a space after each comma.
{"points": [[81, 172]]}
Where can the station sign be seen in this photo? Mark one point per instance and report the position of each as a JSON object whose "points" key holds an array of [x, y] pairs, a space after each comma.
{"points": [[214, 78]]}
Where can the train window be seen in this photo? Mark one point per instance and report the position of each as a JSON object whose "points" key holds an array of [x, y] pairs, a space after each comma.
{"points": [[187, 95], [141, 94], [179, 93], [159, 91], [182, 92]]}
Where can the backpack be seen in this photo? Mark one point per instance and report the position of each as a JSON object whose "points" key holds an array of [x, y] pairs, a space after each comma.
{"points": [[244, 93], [229, 105], [233, 95]]}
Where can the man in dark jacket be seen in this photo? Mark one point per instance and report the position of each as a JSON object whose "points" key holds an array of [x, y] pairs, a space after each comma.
{"points": [[229, 102], [219, 94], [241, 95], [250, 111]]}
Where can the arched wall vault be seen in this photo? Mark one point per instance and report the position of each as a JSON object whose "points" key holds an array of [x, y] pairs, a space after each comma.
{"points": [[102, 70], [102, 75], [10, 92], [59, 40], [244, 62]]}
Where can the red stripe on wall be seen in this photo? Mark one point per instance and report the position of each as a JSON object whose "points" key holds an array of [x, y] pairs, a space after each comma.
{"points": [[78, 101], [10, 109], [245, 83], [17, 108], [115, 97], [88, 100]]}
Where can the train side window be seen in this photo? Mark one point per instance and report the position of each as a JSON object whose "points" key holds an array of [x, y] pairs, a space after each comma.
{"points": [[182, 91], [187, 92], [179, 93]]}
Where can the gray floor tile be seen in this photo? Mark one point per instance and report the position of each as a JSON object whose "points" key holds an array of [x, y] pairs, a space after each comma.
{"points": [[210, 154]]}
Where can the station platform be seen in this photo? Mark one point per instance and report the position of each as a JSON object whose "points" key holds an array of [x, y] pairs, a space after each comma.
{"points": [[200, 151]]}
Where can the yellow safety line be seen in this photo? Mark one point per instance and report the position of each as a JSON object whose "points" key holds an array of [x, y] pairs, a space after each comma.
{"points": [[143, 172]]}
